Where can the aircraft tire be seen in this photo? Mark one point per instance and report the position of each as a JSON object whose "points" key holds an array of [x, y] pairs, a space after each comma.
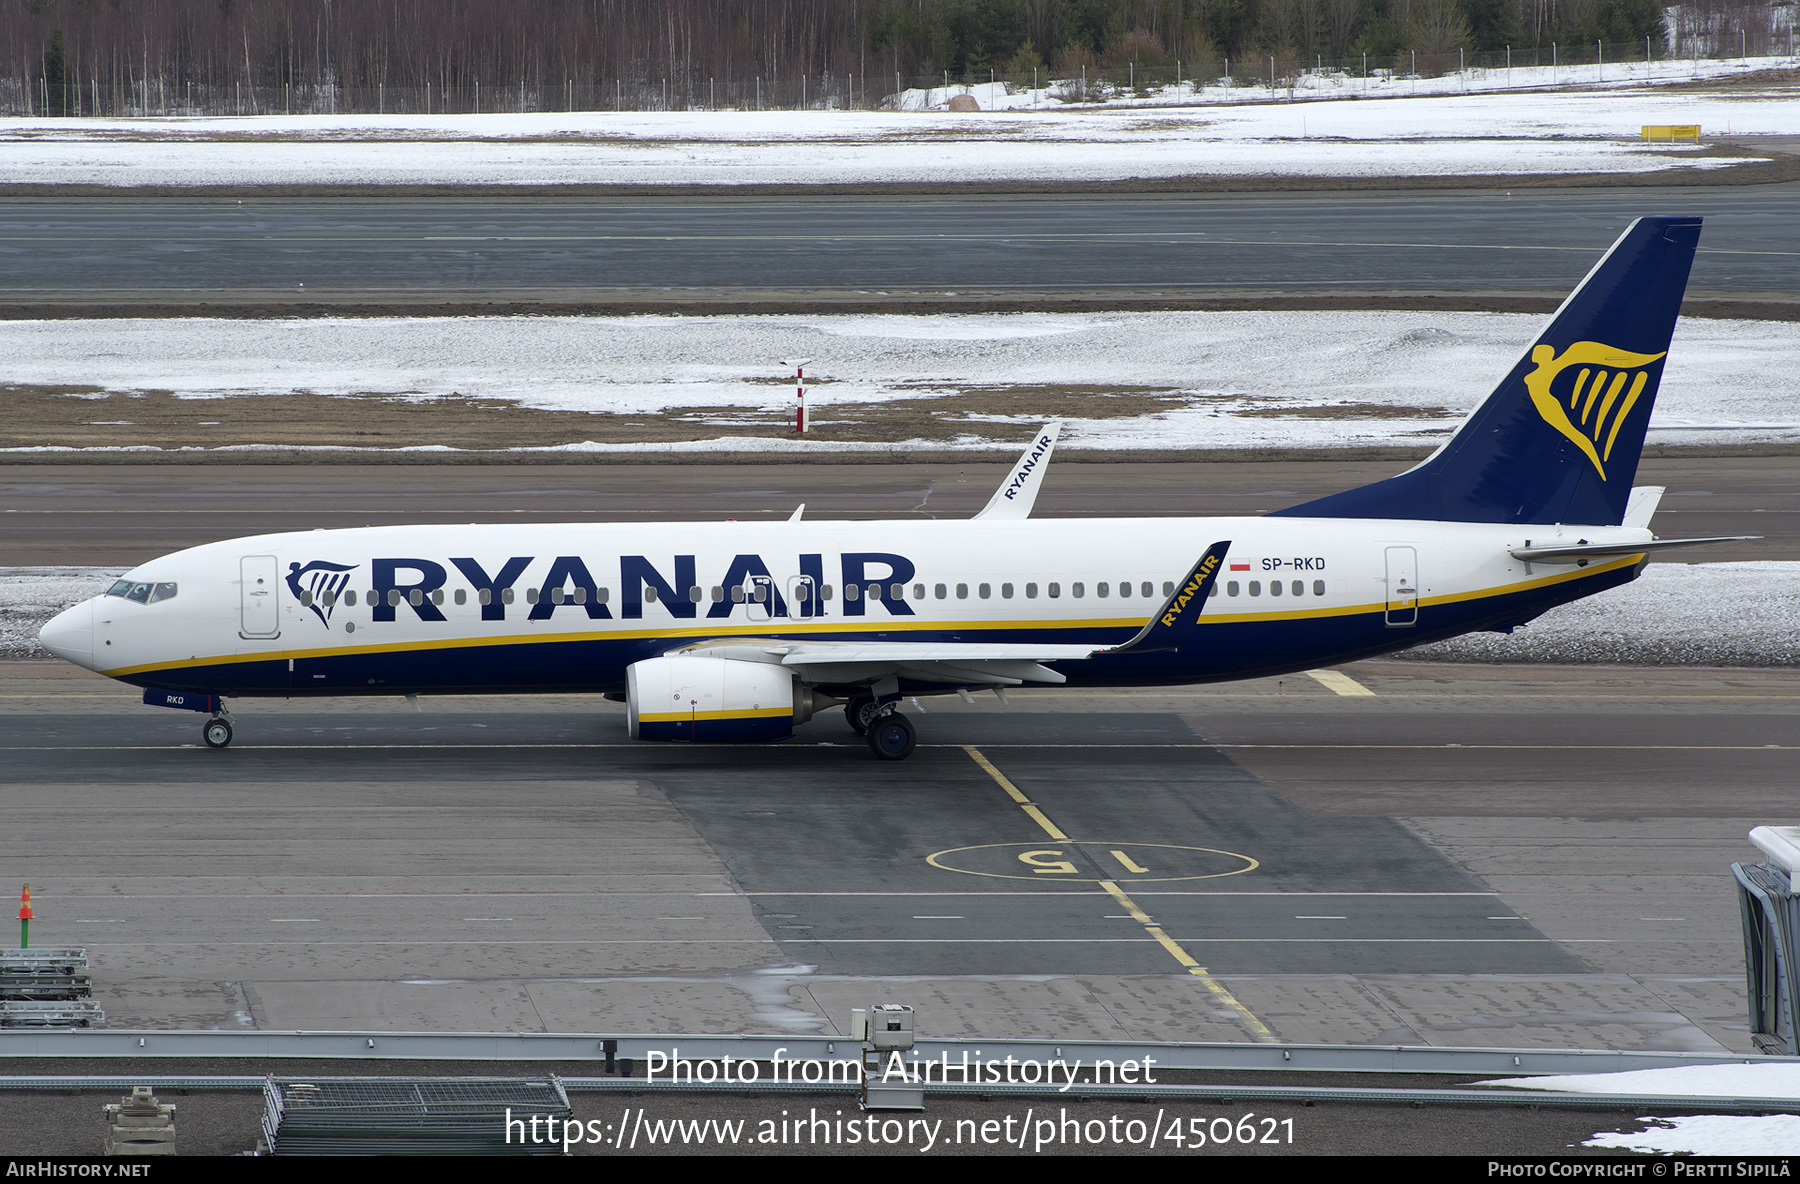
{"points": [[860, 713], [892, 737], [217, 733]]}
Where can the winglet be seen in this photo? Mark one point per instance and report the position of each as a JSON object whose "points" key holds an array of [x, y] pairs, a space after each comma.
{"points": [[1018, 493], [1181, 611], [795, 516]]}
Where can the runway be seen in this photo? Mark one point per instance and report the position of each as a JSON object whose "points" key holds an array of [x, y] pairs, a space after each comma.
{"points": [[620, 253]]}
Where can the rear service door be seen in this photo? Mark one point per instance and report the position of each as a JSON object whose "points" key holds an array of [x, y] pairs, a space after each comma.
{"points": [[1402, 587], [259, 597]]}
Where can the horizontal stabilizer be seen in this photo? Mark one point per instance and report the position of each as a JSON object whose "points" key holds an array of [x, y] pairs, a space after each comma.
{"points": [[1576, 551], [1175, 622], [1640, 507]]}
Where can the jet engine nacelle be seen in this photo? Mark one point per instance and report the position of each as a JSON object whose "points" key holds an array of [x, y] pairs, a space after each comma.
{"points": [[720, 700]]}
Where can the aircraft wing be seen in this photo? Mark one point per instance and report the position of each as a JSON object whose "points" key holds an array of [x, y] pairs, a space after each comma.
{"points": [[958, 663]]}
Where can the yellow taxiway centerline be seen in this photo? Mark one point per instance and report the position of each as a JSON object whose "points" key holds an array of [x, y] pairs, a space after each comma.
{"points": [[1257, 1028]]}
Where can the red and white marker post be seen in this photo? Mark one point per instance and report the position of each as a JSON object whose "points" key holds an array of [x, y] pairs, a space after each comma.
{"points": [[799, 364]]}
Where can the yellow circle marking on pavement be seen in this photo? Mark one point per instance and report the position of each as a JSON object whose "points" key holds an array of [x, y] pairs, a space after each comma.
{"points": [[1053, 862]]}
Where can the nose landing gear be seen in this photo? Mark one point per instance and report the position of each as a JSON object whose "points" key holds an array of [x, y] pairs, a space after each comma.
{"points": [[217, 732]]}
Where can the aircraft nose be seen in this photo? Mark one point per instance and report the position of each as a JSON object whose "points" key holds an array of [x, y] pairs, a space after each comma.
{"points": [[70, 635]]}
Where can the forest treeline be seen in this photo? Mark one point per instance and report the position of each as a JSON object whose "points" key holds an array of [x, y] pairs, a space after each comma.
{"points": [[453, 43]]}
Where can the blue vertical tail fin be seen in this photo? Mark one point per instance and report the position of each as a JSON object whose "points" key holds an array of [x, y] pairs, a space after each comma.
{"points": [[1559, 439]]}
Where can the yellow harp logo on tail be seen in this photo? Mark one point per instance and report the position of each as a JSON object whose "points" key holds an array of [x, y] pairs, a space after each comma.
{"points": [[1593, 404]]}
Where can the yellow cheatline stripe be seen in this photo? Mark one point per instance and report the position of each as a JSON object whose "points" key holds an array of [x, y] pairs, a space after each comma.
{"points": [[1340, 682], [805, 628], [663, 717], [1257, 1028]]}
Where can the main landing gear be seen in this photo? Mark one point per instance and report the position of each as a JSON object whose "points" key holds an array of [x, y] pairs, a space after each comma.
{"points": [[891, 736]]}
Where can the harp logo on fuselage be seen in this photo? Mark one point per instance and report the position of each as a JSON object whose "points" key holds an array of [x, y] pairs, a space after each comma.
{"points": [[1587, 392]]}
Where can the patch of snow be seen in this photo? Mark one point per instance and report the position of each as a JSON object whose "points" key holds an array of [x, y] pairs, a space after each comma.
{"points": [[1675, 614], [1708, 1134], [1242, 381]]}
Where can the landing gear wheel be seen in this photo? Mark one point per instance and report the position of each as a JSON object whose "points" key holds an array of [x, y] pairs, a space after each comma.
{"points": [[217, 733], [891, 737], [861, 712]]}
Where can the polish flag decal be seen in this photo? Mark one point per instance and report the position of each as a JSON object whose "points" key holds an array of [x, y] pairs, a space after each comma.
{"points": [[1240, 567]]}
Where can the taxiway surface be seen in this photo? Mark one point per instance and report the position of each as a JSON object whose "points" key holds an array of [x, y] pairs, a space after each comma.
{"points": [[100, 515], [1525, 857]]}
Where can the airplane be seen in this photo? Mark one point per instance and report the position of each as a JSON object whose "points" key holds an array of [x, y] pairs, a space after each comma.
{"points": [[741, 632]]}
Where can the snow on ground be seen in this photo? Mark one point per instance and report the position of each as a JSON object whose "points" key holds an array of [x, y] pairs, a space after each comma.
{"points": [[30, 596], [1714, 614], [1697, 1134], [1362, 378], [1476, 134], [1708, 1134], [1675, 614]]}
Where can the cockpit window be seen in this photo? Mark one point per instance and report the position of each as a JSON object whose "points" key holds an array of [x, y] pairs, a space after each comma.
{"points": [[142, 593]]}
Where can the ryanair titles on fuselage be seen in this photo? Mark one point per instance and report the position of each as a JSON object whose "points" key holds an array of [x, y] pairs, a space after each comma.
{"points": [[396, 581]]}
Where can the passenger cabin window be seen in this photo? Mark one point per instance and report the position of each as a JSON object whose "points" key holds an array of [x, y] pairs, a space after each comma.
{"points": [[462, 596], [919, 591], [649, 594], [1077, 591], [1125, 589], [1168, 588], [986, 590], [1031, 591], [1274, 587], [1256, 587], [350, 597], [1055, 590], [1231, 587], [696, 594], [1146, 589], [1299, 588], [941, 592], [1212, 592], [1006, 591], [825, 592], [852, 591], [506, 596], [1100, 590], [1318, 587], [962, 591], [531, 596]]}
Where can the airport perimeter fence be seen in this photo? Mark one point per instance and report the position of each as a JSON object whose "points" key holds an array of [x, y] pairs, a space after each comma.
{"points": [[1264, 76]]}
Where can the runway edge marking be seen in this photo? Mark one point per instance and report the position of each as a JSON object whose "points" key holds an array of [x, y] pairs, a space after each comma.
{"points": [[1257, 1028]]}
